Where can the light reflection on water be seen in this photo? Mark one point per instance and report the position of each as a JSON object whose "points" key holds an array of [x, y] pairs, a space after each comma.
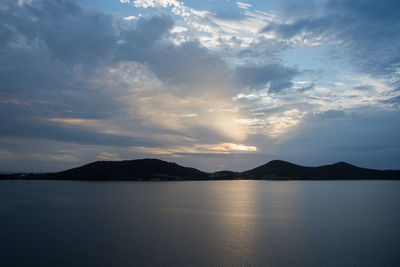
{"points": [[220, 223]]}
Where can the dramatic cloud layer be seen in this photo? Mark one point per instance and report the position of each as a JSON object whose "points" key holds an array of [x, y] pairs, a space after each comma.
{"points": [[211, 85]]}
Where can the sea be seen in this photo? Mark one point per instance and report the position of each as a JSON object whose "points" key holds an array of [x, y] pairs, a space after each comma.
{"points": [[200, 223]]}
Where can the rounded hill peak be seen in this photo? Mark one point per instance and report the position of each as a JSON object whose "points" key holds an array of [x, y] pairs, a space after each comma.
{"points": [[342, 164], [279, 163]]}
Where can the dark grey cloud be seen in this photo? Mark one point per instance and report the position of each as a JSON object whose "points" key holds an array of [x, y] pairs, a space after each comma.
{"points": [[50, 51], [37, 128], [69, 32], [48, 56], [394, 100], [187, 64], [369, 31], [54, 45], [317, 25], [278, 77], [147, 32]]}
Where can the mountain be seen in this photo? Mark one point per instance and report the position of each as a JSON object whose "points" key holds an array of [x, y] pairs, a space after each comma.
{"points": [[146, 169], [278, 169], [155, 169]]}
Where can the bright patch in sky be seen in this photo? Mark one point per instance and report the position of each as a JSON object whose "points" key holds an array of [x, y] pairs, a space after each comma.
{"points": [[243, 5], [205, 83]]}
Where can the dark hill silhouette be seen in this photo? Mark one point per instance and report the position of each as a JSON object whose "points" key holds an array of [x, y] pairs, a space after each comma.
{"points": [[147, 169], [278, 169], [155, 169]]}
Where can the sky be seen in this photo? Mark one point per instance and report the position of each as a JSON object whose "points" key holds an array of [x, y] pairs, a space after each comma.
{"points": [[208, 84]]}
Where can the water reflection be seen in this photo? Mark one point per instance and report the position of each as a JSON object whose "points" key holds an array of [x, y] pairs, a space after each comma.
{"points": [[220, 223], [235, 228]]}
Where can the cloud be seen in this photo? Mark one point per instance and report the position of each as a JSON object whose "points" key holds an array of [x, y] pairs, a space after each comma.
{"points": [[186, 64], [275, 77], [221, 149], [130, 18], [108, 156], [178, 81], [49, 39], [154, 3], [113, 95], [243, 5], [62, 28], [31, 128], [227, 147], [366, 32], [147, 32]]}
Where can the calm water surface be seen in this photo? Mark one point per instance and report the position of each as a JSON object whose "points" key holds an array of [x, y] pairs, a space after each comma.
{"points": [[210, 223]]}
